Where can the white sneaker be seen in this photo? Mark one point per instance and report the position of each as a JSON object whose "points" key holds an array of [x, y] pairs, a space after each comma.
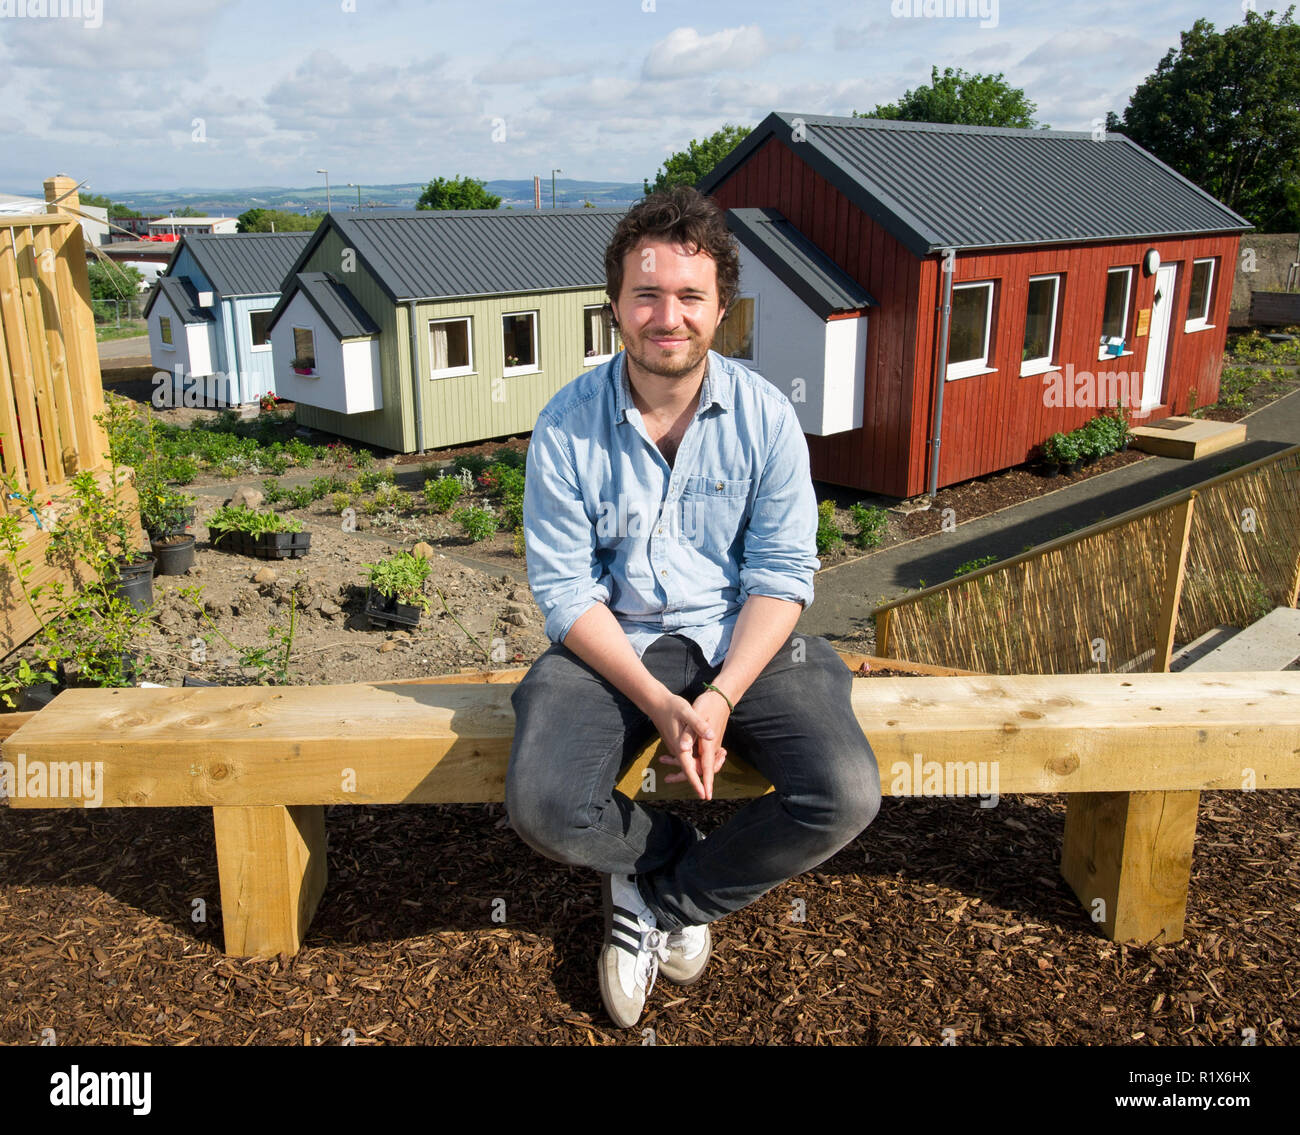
{"points": [[633, 950], [688, 954]]}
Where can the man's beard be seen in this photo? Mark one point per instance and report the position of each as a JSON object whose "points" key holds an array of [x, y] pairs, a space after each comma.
{"points": [[696, 350]]}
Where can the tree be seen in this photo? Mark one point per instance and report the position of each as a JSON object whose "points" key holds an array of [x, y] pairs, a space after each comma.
{"points": [[962, 100], [188, 211], [276, 220], [1224, 111], [457, 193], [688, 167], [112, 281]]}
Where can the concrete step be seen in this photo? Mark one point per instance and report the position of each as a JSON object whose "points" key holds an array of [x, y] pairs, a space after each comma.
{"points": [[1272, 643]]}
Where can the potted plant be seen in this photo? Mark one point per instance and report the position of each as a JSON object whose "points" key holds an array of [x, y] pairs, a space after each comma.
{"points": [[1054, 454], [1124, 433], [396, 593], [302, 366], [266, 535], [165, 514], [1069, 450]]}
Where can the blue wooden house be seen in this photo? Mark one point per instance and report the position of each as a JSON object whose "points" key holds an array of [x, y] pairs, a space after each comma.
{"points": [[208, 315]]}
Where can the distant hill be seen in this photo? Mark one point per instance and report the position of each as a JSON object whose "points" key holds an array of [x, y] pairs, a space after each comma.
{"points": [[569, 194]]}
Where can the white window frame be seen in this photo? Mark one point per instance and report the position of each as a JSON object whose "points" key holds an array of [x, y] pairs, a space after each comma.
{"points": [[972, 367], [1201, 322], [1044, 364], [596, 360], [1102, 353], [267, 345], [166, 335], [753, 359], [523, 368], [452, 372]]}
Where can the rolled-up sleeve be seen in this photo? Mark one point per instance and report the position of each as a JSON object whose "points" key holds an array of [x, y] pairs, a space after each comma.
{"points": [[563, 571], [780, 555]]}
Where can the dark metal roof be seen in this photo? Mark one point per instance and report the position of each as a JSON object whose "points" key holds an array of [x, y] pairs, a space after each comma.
{"points": [[431, 254], [245, 264], [798, 263], [337, 306], [936, 186], [182, 296]]}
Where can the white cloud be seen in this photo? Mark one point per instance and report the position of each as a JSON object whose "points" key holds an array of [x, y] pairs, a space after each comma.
{"points": [[685, 52]]}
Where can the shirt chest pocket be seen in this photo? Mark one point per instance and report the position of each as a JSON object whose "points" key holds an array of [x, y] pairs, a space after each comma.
{"points": [[713, 512]]}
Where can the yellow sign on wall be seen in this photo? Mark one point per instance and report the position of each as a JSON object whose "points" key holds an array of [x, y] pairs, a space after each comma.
{"points": [[1144, 322]]}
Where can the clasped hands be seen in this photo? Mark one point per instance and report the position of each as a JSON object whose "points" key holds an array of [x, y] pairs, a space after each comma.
{"points": [[692, 735]]}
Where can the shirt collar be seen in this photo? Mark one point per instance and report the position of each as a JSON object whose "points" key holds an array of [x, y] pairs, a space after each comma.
{"points": [[718, 386]]}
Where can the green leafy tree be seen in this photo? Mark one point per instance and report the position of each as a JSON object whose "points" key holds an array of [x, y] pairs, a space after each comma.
{"points": [[962, 100], [276, 220], [188, 211], [687, 167], [112, 281], [457, 193], [1224, 111], [96, 200]]}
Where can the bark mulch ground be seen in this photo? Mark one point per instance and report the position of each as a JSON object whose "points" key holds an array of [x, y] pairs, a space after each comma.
{"points": [[439, 926]]}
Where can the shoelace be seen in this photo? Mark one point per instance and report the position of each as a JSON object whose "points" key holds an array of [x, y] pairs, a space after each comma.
{"points": [[654, 949]]}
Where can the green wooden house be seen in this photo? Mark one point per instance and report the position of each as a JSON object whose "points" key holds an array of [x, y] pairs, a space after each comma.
{"points": [[498, 309]]}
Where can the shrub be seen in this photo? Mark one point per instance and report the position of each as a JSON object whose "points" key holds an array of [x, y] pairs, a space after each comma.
{"points": [[974, 565], [442, 493], [520, 545], [829, 537], [390, 496], [472, 463], [299, 452], [402, 577], [183, 470], [477, 523], [512, 509], [340, 501], [510, 456], [871, 523], [1054, 449]]}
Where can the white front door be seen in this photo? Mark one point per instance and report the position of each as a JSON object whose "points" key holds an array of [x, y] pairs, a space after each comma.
{"points": [[1153, 381]]}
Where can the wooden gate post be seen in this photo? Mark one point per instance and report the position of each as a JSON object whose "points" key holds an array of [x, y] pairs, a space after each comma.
{"points": [[271, 862]]}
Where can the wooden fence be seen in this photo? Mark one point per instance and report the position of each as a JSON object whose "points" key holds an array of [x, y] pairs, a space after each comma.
{"points": [[50, 386], [1115, 597]]}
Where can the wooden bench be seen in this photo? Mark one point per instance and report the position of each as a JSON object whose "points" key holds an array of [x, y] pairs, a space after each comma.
{"points": [[267, 760]]}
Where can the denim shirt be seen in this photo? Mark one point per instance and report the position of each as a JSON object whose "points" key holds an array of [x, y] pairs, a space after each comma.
{"points": [[670, 550]]}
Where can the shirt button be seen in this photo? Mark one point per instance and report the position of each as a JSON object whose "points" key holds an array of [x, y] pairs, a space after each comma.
{"points": [[659, 531], [718, 486], [663, 571]]}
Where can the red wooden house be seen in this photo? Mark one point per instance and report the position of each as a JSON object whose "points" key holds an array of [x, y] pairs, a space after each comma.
{"points": [[1077, 271]]}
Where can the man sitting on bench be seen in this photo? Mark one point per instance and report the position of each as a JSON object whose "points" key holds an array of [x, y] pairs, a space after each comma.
{"points": [[671, 526]]}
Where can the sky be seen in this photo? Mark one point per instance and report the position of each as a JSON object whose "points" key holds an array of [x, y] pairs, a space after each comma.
{"points": [[155, 94]]}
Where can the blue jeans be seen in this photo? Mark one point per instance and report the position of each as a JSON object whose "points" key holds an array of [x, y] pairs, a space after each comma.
{"points": [[575, 733]]}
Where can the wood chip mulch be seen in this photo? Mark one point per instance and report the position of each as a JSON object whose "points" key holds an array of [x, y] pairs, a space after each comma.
{"points": [[439, 926]]}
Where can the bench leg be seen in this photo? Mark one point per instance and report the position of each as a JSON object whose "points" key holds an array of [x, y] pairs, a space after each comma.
{"points": [[1132, 850], [271, 861]]}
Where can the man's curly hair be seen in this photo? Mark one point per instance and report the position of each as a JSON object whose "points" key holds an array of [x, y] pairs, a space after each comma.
{"points": [[682, 215]]}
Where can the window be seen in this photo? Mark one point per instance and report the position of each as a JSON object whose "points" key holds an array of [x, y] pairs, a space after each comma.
{"points": [[1040, 324], [304, 349], [1199, 295], [165, 330], [519, 339], [449, 348], [735, 337], [1114, 319], [257, 321], [968, 329], [599, 336]]}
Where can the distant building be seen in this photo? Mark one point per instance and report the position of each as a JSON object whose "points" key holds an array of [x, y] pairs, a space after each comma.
{"points": [[184, 226]]}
